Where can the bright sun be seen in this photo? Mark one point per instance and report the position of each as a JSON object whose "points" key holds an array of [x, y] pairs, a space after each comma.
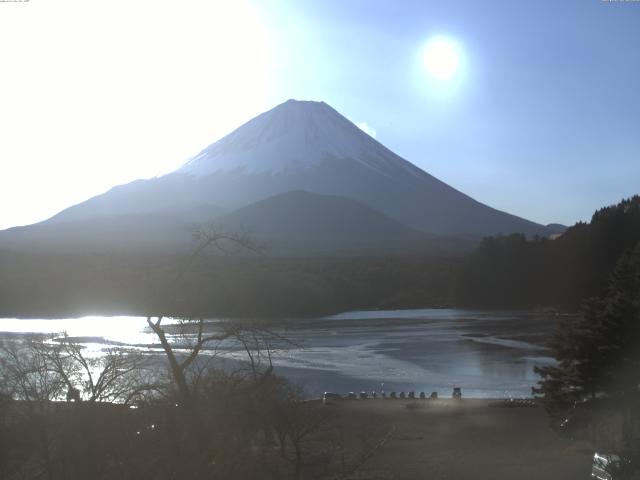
{"points": [[441, 58]]}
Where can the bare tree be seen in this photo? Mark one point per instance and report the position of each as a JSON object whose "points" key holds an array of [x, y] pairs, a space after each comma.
{"points": [[296, 421], [58, 440], [192, 330], [28, 378], [260, 342], [179, 366], [27, 374], [116, 375]]}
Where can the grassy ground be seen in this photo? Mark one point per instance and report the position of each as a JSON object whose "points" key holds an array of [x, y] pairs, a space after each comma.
{"points": [[465, 439]]}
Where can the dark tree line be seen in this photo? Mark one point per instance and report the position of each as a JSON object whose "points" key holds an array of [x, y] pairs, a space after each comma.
{"points": [[514, 272], [63, 285], [598, 352], [503, 272]]}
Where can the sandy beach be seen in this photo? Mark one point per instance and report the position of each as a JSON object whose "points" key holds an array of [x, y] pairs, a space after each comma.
{"points": [[466, 439]]}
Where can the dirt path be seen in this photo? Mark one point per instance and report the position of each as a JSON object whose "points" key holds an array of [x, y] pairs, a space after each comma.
{"points": [[462, 440]]}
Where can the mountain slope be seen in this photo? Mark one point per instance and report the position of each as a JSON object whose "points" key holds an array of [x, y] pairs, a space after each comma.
{"points": [[311, 223], [132, 232], [310, 146], [300, 145]]}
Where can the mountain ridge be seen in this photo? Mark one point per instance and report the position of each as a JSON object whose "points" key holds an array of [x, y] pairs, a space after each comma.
{"points": [[302, 146]]}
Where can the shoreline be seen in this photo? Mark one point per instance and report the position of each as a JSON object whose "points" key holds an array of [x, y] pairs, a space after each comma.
{"points": [[487, 354]]}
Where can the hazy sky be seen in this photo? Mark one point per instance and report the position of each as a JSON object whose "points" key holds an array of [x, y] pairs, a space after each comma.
{"points": [[541, 117]]}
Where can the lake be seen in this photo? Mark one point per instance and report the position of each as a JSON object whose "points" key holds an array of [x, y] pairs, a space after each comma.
{"points": [[486, 353]]}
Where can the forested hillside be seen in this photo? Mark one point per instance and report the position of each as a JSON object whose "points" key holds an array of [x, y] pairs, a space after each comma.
{"points": [[513, 272], [109, 284], [503, 272]]}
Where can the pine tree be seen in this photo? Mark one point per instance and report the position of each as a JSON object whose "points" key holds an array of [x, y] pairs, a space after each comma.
{"points": [[598, 352]]}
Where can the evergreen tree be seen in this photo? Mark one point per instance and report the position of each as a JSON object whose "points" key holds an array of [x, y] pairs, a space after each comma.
{"points": [[598, 352], [515, 272]]}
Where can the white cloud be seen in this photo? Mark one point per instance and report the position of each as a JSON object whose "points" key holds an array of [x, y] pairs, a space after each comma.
{"points": [[366, 128]]}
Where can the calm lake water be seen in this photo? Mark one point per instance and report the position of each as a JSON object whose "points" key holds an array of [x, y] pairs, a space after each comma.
{"points": [[486, 353]]}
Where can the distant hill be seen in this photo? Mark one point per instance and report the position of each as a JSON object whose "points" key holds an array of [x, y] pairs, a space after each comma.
{"points": [[556, 228], [310, 223], [297, 223], [292, 223]]}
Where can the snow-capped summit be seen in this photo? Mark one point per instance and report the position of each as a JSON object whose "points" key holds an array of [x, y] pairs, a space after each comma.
{"points": [[295, 135]]}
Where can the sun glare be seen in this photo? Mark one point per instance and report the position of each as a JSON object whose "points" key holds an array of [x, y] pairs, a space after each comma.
{"points": [[149, 82], [441, 58]]}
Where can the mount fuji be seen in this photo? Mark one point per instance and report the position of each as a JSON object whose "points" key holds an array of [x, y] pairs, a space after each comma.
{"points": [[298, 146]]}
